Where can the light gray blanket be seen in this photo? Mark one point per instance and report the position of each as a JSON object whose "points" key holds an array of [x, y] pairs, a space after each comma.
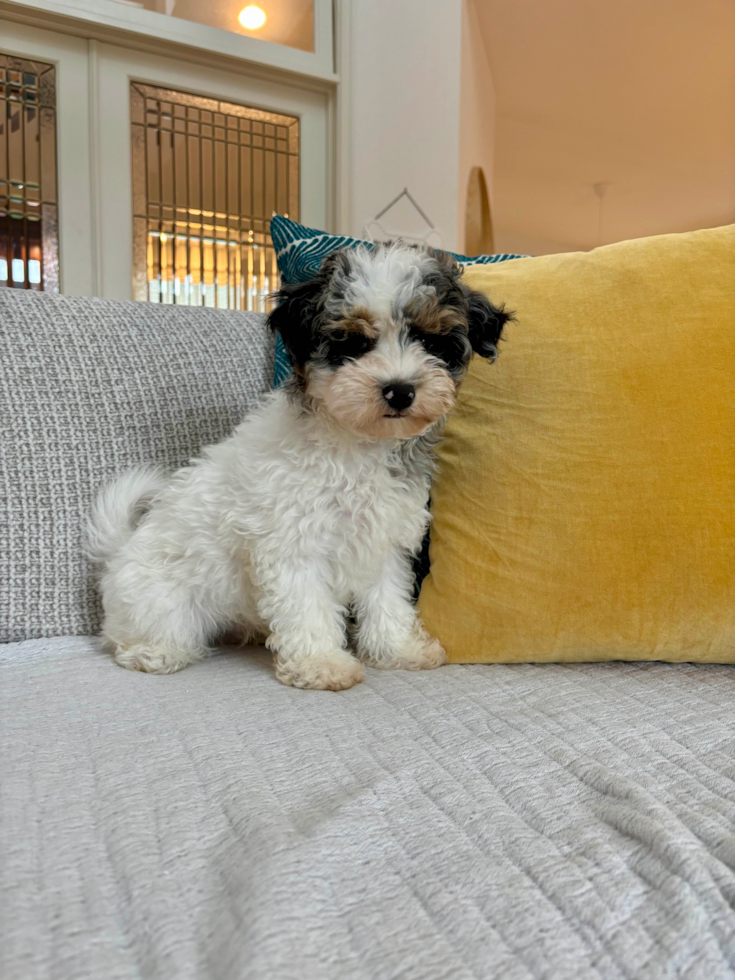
{"points": [[508, 822]]}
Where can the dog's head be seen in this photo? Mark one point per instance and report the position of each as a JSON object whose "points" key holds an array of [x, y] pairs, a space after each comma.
{"points": [[381, 339]]}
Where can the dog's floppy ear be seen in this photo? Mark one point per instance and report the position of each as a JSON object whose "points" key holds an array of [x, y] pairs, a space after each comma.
{"points": [[294, 318], [485, 323], [301, 308]]}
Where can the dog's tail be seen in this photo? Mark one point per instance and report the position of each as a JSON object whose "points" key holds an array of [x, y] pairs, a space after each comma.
{"points": [[119, 508]]}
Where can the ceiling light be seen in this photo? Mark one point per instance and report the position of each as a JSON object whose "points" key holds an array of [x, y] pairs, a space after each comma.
{"points": [[252, 18]]}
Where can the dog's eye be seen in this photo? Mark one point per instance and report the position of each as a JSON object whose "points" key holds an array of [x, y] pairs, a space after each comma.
{"points": [[345, 344], [453, 348]]}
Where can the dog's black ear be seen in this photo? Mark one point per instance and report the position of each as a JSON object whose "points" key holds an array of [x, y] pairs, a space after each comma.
{"points": [[485, 323], [294, 318]]}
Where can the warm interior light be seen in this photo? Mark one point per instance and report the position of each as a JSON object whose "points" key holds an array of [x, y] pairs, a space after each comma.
{"points": [[252, 18]]}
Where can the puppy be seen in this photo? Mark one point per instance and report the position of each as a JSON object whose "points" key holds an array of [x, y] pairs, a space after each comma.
{"points": [[299, 528]]}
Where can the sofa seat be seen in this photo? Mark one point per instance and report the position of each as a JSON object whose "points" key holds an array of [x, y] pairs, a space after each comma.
{"points": [[522, 821]]}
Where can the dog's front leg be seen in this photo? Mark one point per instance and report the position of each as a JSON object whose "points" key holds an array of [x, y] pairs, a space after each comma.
{"points": [[390, 635], [307, 628]]}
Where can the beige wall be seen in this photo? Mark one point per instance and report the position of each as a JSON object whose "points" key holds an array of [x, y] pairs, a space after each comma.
{"points": [[636, 94], [477, 111]]}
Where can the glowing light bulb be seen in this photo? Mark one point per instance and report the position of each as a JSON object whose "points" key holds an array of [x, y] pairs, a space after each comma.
{"points": [[252, 18]]}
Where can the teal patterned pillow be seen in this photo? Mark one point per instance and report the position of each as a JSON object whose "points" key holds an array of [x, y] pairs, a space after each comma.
{"points": [[300, 252]]}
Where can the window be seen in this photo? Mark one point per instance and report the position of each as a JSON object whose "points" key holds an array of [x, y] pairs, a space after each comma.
{"points": [[207, 176], [289, 22], [29, 254]]}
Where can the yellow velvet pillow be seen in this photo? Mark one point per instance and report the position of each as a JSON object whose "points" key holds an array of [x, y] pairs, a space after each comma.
{"points": [[584, 507]]}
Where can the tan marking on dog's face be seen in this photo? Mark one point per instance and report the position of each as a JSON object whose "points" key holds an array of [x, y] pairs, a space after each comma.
{"points": [[429, 316], [359, 320]]}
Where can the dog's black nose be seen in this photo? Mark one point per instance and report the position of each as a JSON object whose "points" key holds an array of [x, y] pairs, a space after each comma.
{"points": [[399, 395]]}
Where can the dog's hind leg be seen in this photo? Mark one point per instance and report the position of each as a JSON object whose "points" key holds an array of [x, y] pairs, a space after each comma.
{"points": [[164, 632], [156, 659]]}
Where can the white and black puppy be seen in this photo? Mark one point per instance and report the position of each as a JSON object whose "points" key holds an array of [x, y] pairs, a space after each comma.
{"points": [[299, 528]]}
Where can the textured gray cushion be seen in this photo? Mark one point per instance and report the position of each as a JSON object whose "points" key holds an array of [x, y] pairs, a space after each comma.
{"points": [[518, 822], [88, 388]]}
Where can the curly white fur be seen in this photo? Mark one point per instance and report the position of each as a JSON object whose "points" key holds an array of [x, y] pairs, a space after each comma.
{"points": [[277, 531]]}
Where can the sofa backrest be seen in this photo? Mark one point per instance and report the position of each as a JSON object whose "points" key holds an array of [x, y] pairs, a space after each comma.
{"points": [[88, 388]]}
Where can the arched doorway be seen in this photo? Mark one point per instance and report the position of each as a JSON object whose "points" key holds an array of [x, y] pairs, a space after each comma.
{"points": [[478, 219]]}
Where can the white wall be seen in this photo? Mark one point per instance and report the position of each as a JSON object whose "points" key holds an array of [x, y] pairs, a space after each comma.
{"points": [[403, 84], [477, 111]]}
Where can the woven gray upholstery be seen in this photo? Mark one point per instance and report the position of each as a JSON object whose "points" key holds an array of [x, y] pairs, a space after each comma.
{"points": [[88, 388], [493, 822]]}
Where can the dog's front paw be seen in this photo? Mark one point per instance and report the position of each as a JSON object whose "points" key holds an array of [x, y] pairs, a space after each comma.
{"points": [[333, 671], [427, 654], [420, 652]]}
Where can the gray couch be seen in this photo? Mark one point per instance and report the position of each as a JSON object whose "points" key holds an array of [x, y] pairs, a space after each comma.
{"points": [[508, 822]]}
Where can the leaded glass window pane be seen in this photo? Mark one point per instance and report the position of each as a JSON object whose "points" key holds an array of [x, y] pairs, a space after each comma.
{"points": [[29, 241], [207, 177]]}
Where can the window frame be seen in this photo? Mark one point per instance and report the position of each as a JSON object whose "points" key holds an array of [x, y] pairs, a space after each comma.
{"points": [[115, 69], [115, 16]]}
